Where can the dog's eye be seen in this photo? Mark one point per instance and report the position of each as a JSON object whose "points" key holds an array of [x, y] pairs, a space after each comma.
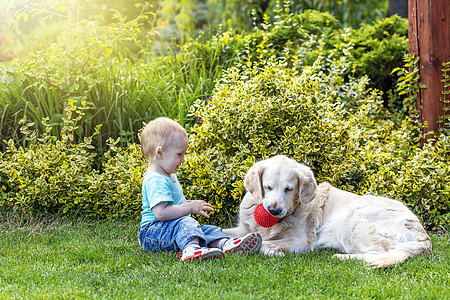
{"points": [[268, 187], [287, 189]]}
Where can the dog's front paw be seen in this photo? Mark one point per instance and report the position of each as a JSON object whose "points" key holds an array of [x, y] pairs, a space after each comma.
{"points": [[342, 256], [271, 250], [350, 256]]}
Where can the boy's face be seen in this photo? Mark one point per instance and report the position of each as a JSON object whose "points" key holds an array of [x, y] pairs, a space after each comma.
{"points": [[172, 156]]}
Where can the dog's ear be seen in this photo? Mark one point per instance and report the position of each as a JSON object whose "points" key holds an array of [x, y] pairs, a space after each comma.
{"points": [[253, 180], [307, 184]]}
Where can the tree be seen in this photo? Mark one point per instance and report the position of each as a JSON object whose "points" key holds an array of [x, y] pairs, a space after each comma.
{"points": [[429, 39]]}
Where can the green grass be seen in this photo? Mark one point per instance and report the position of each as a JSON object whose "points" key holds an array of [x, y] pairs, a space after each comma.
{"points": [[54, 259]]}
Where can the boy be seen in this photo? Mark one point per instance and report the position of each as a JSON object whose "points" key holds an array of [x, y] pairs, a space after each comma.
{"points": [[166, 223]]}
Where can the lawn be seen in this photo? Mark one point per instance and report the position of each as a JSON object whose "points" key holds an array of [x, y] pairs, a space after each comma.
{"points": [[51, 258]]}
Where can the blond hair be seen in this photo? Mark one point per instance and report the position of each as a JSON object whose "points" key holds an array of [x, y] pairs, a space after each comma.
{"points": [[156, 133]]}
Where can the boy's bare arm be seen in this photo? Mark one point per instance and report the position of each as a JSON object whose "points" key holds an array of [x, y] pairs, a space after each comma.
{"points": [[165, 211]]}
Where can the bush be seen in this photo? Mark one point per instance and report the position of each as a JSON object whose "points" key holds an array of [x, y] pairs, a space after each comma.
{"points": [[55, 175], [335, 125], [268, 109], [50, 174], [283, 35], [117, 191], [373, 49], [123, 90], [332, 124]]}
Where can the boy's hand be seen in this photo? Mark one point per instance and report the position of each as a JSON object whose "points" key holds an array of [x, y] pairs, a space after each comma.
{"points": [[165, 212], [199, 207]]}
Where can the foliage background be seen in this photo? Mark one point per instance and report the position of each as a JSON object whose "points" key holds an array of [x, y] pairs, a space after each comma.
{"points": [[270, 78]]}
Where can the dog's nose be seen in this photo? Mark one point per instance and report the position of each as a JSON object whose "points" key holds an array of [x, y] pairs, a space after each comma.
{"points": [[274, 211]]}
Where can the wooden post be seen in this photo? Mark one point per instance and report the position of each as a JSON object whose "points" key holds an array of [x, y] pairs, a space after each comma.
{"points": [[429, 38]]}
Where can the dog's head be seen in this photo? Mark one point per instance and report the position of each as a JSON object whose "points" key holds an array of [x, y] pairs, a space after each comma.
{"points": [[281, 184]]}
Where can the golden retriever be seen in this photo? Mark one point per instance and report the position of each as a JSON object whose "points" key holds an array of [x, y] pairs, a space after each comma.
{"points": [[376, 229]]}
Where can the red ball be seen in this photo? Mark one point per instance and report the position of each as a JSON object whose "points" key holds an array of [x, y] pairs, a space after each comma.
{"points": [[263, 217]]}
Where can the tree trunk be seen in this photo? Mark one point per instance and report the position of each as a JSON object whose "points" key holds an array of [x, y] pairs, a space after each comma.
{"points": [[429, 39]]}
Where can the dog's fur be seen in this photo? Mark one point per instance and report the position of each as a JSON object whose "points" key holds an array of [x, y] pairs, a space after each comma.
{"points": [[376, 229]]}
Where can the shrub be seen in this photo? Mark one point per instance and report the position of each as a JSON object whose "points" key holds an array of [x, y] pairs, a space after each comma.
{"points": [[123, 90], [116, 192], [268, 109], [285, 34], [335, 125], [374, 49], [50, 174], [55, 175]]}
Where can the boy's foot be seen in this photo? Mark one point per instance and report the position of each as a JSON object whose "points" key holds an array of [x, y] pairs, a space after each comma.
{"points": [[249, 244], [190, 253]]}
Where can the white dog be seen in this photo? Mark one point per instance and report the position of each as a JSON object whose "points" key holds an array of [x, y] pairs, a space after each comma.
{"points": [[376, 229]]}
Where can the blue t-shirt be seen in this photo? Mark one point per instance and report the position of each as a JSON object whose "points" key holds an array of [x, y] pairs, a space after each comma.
{"points": [[157, 188]]}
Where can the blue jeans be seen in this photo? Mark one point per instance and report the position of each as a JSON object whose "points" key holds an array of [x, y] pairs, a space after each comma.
{"points": [[175, 234]]}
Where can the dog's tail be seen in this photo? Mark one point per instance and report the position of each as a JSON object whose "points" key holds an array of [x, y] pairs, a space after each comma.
{"points": [[396, 255]]}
